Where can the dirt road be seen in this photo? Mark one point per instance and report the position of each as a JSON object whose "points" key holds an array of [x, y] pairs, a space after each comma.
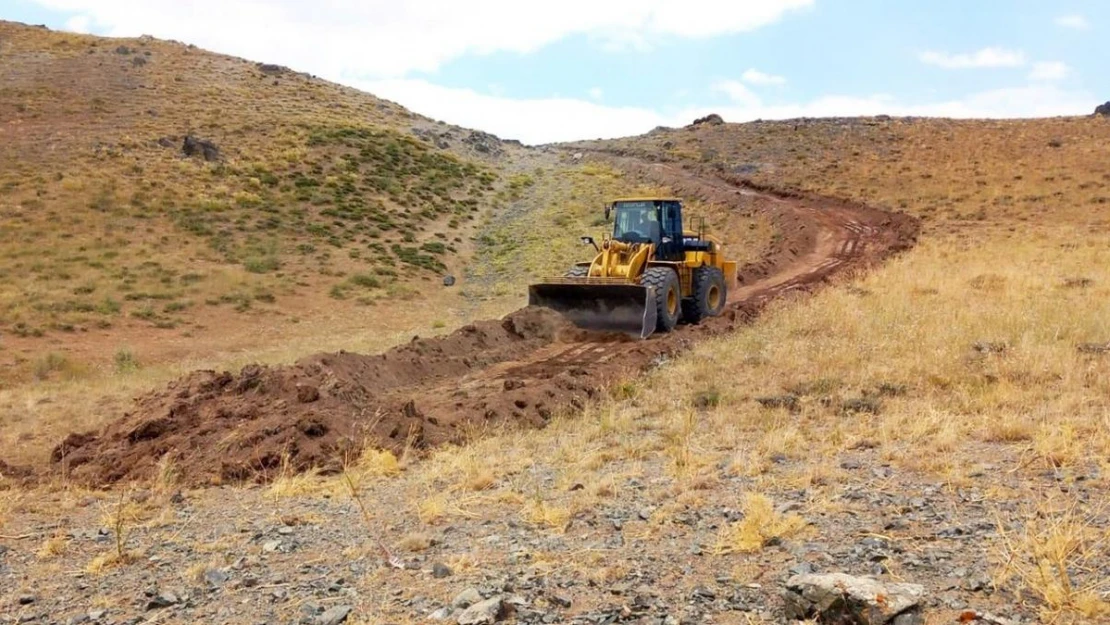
{"points": [[217, 427]]}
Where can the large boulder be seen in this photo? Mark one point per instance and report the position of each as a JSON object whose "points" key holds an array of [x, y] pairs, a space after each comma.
{"points": [[199, 147], [1103, 109], [842, 599]]}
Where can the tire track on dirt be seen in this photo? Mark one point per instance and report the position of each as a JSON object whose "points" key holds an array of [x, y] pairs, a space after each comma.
{"points": [[522, 370]]}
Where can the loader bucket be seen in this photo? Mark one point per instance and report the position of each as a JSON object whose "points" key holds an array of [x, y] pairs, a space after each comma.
{"points": [[627, 308]]}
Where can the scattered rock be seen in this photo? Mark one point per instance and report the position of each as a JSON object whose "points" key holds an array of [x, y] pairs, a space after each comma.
{"points": [[167, 142], [484, 612], [161, 600], [334, 616], [1103, 110], [271, 546], [441, 570], [711, 119], [467, 598], [214, 577], [26, 599], [985, 618], [200, 147], [272, 70], [441, 614], [847, 600], [96, 615], [449, 280]]}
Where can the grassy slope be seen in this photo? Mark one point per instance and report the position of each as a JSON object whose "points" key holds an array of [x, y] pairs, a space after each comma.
{"points": [[986, 348], [325, 224], [321, 190]]}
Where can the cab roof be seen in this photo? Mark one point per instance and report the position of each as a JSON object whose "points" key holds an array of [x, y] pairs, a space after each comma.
{"points": [[646, 199]]}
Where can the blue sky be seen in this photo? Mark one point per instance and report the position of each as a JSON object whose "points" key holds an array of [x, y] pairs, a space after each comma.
{"points": [[584, 69]]}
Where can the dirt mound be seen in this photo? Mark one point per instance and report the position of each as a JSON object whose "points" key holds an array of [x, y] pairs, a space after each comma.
{"points": [[216, 426]]}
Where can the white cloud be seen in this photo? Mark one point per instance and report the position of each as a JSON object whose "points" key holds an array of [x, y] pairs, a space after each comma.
{"points": [[755, 77], [1049, 70], [375, 44], [597, 93], [563, 119], [987, 57], [1076, 22], [78, 24], [539, 120], [386, 38], [737, 92]]}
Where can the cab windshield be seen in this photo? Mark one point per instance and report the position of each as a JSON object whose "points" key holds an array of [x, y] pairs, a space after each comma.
{"points": [[636, 222]]}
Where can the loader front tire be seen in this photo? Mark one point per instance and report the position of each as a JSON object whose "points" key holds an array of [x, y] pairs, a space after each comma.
{"points": [[578, 271], [668, 296], [710, 293]]}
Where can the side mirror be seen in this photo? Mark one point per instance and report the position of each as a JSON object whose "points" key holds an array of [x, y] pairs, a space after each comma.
{"points": [[608, 210], [589, 241]]}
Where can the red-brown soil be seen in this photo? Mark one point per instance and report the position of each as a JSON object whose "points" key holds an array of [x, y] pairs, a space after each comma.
{"points": [[322, 410]]}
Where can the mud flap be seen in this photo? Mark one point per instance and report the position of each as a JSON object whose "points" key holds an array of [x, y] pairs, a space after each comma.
{"points": [[627, 308]]}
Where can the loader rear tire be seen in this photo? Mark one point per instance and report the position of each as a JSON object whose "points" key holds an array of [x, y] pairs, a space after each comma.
{"points": [[710, 293], [668, 296]]}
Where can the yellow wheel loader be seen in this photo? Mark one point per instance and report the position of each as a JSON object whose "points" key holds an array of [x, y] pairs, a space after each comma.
{"points": [[646, 276]]}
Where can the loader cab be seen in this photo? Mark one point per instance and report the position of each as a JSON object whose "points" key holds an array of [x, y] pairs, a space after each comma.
{"points": [[650, 220]]}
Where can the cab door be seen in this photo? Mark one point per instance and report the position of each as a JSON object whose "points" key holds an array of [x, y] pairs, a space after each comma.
{"points": [[671, 247]]}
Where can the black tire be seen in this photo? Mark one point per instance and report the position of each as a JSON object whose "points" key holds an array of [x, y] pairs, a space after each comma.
{"points": [[668, 296], [710, 294], [578, 271]]}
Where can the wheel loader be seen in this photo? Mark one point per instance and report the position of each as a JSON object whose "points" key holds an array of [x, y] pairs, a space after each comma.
{"points": [[646, 276]]}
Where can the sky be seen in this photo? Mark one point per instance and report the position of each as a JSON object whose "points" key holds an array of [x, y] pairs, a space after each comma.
{"points": [[582, 69]]}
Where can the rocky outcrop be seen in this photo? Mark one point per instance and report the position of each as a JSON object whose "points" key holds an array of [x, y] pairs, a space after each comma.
{"points": [[711, 119], [848, 600]]}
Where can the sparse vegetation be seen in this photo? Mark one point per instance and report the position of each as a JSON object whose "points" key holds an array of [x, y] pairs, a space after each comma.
{"points": [[878, 421]]}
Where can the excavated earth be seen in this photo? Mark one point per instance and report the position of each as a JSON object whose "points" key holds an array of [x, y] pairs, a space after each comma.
{"points": [[220, 427]]}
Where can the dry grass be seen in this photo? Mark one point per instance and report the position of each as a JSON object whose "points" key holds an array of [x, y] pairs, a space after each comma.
{"points": [[1058, 555], [762, 525]]}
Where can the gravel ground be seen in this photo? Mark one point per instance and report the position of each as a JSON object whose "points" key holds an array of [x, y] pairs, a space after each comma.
{"points": [[647, 552]]}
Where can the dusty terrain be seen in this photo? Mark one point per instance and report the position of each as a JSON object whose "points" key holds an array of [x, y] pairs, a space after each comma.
{"points": [[217, 427], [935, 413]]}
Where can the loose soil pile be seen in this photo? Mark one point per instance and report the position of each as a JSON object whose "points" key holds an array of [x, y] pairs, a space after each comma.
{"points": [[216, 426]]}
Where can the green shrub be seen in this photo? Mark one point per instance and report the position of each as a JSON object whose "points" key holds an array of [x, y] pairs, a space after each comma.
{"points": [[126, 362]]}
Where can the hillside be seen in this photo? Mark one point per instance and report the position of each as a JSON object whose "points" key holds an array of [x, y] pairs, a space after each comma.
{"points": [[911, 381], [320, 218], [301, 196]]}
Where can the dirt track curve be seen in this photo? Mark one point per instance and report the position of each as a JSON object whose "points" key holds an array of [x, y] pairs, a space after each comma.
{"points": [[219, 427]]}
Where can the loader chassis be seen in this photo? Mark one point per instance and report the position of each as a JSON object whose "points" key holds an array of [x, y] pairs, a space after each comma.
{"points": [[647, 274]]}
